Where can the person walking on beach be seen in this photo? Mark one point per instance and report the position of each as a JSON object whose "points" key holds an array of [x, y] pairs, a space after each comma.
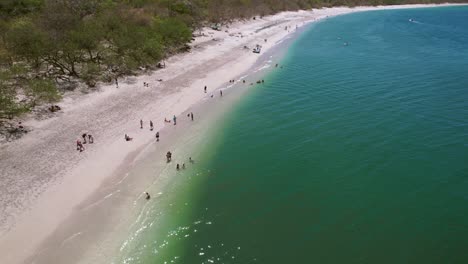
{"points": [[169, 156], [151, 125], [141, 124], [205, 88], [79, 146], [191, 115], [175, 120], [157, 136], [90, 139], [84, 138]]}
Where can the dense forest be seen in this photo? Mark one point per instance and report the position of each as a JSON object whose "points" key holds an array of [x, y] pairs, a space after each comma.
{"points": [[47, 44]]}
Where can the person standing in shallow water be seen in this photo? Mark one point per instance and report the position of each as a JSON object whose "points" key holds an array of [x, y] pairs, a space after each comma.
{"points": [[175, 120], [151, 125], [191, 115], [157, 136], [141, 124], [221, 93], [205, 88]]}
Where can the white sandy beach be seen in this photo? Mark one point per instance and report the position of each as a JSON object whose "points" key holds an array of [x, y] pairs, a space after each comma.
{"points": [[44, 180]]}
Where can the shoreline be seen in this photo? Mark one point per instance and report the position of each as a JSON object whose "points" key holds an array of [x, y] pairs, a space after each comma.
{"points": [[75, 179]]}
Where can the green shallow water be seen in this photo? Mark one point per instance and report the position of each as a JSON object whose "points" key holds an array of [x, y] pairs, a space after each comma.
{"points": [[351, 153]]}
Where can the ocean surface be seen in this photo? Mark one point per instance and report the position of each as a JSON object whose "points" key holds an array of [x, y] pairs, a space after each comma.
{"points": [[355, 151]]}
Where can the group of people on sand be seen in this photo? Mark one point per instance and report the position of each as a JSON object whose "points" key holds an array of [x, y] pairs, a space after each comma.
{"points": [[174, 120], [151, 125], [79, 143]]}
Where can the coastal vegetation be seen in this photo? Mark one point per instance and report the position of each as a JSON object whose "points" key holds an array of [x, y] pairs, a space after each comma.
{"points": [[47, 46]]}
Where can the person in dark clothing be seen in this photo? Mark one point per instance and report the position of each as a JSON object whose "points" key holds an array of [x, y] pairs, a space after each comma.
{"points": [[79, 146], [157, 136], [151, 125]]}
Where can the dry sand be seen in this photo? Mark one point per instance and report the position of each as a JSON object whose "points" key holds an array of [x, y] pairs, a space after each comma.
{"points": [[43, 178]]}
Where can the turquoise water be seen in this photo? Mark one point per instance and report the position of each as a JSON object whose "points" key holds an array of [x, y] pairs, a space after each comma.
{"points": [[351, 153]]}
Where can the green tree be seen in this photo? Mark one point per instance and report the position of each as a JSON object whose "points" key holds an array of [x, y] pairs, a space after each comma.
{"points": [[42, 91], [26, 41], [11, 8], [174, 32], [9, 107]]}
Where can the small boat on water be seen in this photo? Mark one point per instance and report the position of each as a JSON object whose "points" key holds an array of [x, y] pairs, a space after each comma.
{"points": [[257, 49]]}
